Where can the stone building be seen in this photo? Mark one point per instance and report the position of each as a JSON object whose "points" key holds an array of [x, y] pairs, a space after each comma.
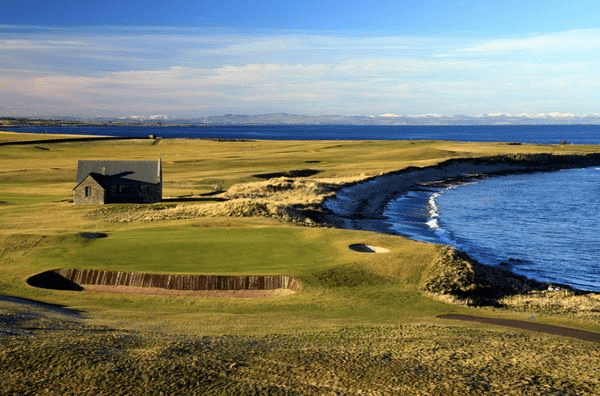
{"points": [[109, 181]]}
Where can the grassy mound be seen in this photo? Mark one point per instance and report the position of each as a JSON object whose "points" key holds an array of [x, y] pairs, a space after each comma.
{"points": [[348, 276]]}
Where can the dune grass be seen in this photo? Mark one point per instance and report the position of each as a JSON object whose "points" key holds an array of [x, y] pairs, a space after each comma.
{"points": [[357, 313]]}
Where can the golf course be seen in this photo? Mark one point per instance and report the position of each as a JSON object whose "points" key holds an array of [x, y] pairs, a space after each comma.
{"points": [[364, 315]]}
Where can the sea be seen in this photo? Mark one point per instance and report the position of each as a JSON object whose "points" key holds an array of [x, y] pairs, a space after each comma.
{"points": [[544, 134], [541, 225]]}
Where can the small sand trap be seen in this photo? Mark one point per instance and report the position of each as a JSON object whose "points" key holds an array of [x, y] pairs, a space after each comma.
{"points": [[361, 248]]}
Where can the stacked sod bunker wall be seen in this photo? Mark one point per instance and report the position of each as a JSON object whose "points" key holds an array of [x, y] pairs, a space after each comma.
{"points": [[76, 279]]}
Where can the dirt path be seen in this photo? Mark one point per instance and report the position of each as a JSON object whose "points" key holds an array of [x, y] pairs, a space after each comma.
{"points": [[519, 324]]}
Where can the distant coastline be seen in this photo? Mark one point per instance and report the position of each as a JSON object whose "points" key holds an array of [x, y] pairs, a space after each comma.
{"points": [[548, 118]]}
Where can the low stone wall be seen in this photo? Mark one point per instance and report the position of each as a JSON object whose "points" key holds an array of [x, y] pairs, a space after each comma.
{"points": [[57, 279]]}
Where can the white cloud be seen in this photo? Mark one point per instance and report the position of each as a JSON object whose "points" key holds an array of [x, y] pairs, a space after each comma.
{"points": [[299, 73], [39, 44], [572, 40]]}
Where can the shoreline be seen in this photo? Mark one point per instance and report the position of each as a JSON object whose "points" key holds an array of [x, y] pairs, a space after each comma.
{"points": [[361, 205]]}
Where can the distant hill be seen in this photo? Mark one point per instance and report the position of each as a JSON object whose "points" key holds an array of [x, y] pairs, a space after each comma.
{"points": [[300, 119]]}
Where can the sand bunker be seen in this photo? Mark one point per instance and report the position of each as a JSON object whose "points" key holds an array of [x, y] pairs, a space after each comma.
{"points": [[359, 247], [169, 284]]}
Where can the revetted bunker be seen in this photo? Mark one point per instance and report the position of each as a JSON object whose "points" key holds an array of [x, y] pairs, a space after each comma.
{"points": [[76, 279]]}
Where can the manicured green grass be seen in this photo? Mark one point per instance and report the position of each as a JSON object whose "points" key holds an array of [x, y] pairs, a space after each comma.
{"points": [[193, 249]]}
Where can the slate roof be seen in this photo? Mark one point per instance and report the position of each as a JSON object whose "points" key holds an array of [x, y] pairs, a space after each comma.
{"points": [[132, 171]]}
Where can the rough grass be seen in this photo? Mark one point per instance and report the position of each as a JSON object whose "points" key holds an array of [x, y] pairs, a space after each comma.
{"points": [[561, 301], [59, 354], [453, 272], [276, 197], [18, 243]]}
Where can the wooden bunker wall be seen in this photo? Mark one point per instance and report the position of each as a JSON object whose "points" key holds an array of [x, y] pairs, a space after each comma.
{"points": [[179, 281]]}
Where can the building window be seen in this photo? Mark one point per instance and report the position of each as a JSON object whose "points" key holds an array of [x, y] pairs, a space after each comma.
{"points": [[88, 191]]}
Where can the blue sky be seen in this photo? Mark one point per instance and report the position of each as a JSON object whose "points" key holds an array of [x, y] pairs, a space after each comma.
{"points": [[198, 58]]}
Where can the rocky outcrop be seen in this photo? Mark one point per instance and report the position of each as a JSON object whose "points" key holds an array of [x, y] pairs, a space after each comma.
{"points": [[454, 273]]}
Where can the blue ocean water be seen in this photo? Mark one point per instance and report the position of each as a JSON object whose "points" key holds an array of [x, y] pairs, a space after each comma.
{"points": [[544, 134], [542, 225]]}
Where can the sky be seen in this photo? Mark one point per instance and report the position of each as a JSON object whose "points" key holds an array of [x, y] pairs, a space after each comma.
{"points": [[190, 59]]}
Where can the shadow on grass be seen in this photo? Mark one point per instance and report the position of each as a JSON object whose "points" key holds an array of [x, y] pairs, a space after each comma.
{"points": [[291, 173], [93, 235], [206, 197], [54, 281], [359, 247], [193, 199], [40, 304]]}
